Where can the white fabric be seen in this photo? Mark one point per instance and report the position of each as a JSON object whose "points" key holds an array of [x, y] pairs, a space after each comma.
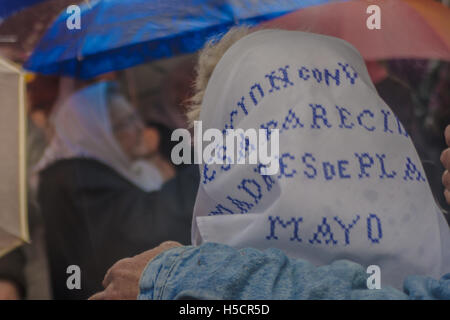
{"points": [[83, 129], [395, 221]]}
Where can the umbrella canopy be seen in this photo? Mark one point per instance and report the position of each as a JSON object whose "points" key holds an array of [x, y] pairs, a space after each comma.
{"points": [[117, 34], [409, 28], [9, 7], [13, 221], [21, 31]]}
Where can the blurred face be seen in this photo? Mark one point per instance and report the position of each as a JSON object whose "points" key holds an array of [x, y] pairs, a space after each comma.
{"points": [[152, 139], [128, 129]]}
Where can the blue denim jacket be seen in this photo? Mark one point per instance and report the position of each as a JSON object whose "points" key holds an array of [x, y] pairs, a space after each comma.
{"points": [[217, 271]]}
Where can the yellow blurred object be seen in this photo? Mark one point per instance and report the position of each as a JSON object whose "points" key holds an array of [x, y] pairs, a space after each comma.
{"points": [[29, 77], [13, 209]]}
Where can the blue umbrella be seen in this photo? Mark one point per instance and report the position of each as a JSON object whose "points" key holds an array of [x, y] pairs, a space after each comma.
{"points": [[8, 7], [117, 34]]}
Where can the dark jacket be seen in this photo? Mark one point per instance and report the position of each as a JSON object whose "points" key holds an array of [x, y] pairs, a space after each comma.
{"points": [[94, 217], [12, 268]]}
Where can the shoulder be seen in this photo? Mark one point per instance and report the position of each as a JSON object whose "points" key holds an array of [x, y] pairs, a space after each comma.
{"points": [[78, 172]]}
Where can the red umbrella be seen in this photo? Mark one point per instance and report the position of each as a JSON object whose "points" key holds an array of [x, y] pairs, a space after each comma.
{"points": [[409, 28]]}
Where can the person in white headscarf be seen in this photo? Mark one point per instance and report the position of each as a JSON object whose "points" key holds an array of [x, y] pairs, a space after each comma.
{"points": [[101, 196], [99, 123], [350, 184]]}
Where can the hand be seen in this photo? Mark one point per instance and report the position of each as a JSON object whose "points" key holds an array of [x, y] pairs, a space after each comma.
{"points": [[121, 281], [8, 290], [445, 159]]}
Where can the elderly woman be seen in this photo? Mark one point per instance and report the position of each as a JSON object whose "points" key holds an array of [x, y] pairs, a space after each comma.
{"points": [[350, 193], [101, 194]]}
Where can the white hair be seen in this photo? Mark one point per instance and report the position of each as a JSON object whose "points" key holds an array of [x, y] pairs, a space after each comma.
{"points": [[208, 58]]}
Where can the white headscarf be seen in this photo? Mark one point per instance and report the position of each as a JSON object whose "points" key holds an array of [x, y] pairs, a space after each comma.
{"points": [[336, 195], [83, 129]]}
